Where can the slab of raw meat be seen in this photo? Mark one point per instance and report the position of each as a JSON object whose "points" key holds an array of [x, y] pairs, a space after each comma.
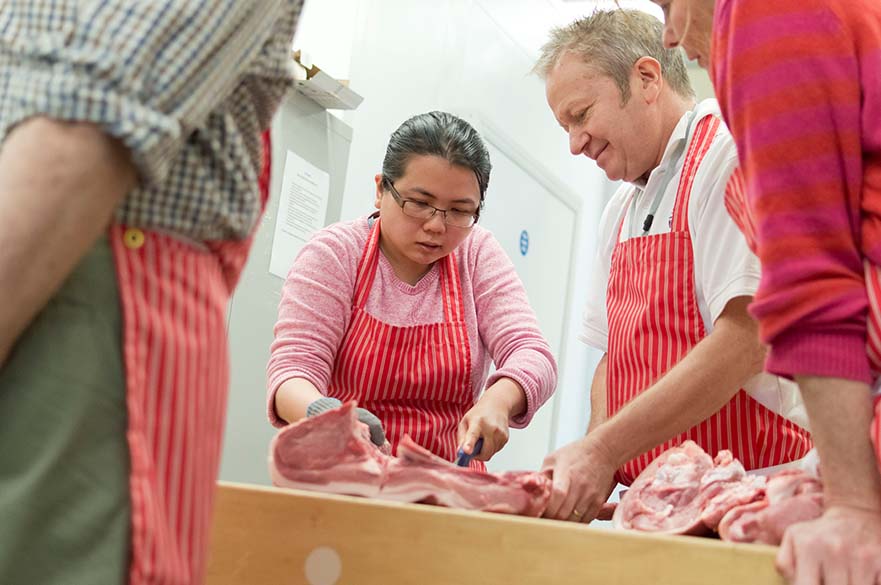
{"points": [[665, 497], [725, 486], [417, 475], [744, 523], [790, 496], [332, 453], [749, 489], [683, 491]]}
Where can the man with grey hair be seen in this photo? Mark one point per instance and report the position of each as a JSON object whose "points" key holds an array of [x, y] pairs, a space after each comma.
{"points": [[673, 275]]}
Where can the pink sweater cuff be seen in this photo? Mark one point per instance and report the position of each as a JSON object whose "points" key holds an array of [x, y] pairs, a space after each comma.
{"points": [[836, 355], [532, 400]]}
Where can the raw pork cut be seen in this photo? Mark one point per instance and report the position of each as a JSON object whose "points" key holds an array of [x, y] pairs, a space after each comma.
{"points": [[332, 453], [417, 475], [666, 496], [683, 491], [790, 496], [738, 493], [725, 486]]}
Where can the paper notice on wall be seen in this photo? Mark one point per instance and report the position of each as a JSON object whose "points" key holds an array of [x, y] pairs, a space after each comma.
{"points": [[301, 211]]}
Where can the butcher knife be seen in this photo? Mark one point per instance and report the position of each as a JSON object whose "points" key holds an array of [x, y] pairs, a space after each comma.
{"points": [[463, 459]]}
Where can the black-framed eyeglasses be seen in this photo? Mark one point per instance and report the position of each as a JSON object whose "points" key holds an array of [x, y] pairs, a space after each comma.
{"points": [[424, 211]]}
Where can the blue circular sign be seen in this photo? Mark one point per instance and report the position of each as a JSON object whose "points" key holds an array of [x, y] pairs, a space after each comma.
{"points": [[524, 242]]}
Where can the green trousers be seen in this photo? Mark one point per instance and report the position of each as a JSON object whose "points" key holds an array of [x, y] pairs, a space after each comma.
{"points": [[64, 461]]}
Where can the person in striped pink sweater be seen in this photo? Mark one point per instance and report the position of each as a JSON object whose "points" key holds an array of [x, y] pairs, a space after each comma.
{"points": [[799, 84]]}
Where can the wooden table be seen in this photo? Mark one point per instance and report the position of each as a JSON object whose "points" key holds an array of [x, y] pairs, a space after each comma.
{"points": [[274, 537]]}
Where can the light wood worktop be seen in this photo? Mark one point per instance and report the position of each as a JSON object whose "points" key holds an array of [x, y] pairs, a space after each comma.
{"points": [[275, 537]]}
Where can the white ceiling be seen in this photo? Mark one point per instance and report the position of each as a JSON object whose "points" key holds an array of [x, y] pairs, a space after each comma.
{"points": [[576, 8], [527, 22]]}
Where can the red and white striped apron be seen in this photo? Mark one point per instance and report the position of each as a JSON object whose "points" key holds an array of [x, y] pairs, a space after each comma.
{"points": [[654, 320], [738, 207], [416, 379], [174, 301]]}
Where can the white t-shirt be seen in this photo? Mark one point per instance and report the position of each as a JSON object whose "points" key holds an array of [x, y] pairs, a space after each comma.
{"points": [[724, 267]]}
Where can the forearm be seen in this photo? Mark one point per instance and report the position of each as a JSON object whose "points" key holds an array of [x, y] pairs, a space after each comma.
{"points": [[695, 388], [841, 412], [507, 395], [293, 398], [598, 395], [59, 185]]}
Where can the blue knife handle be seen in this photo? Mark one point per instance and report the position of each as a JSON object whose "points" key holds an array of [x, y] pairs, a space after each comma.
{"points": [[463, 459]]}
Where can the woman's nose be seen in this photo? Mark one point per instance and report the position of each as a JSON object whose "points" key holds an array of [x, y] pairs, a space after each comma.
{"points": [[436, 223]]}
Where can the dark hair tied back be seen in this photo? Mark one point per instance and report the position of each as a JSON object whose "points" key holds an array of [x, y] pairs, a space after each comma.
{"points": [[437, 134]]}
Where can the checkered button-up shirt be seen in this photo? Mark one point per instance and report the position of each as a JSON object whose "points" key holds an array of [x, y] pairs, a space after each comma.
{"points": [[186, 85]]}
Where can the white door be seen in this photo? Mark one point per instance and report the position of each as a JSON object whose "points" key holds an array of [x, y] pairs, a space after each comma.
{"points": [[536, 228]]}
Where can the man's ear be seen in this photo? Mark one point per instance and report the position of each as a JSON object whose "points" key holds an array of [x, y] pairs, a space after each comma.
{"points": [[649, 80]]}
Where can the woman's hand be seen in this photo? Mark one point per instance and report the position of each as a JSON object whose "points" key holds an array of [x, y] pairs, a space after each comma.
{"points": [[489, 418]]}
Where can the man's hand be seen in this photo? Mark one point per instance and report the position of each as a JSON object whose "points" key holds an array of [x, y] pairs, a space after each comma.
{"points": [[584, 476], [843, 546]]}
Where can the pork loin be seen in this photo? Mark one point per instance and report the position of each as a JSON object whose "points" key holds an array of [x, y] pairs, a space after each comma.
{"points": [[417, 475], [790, 496], [332, 453]]}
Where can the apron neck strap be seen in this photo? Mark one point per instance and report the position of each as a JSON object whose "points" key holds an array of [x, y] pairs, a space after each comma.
{"points": [[451, 289], [697, 150], [451, 286], [367, 267]]}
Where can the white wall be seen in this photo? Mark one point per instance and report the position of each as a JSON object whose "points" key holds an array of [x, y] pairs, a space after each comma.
{"points": [[326, 32]]}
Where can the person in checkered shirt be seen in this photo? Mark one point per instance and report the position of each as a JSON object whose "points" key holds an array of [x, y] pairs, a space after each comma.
{"points": [[131, 160]]}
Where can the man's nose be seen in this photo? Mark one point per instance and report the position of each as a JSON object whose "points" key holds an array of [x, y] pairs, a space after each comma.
{"points": [[577, 141]]}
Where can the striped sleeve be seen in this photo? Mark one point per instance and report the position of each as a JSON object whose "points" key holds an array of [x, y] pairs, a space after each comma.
{"points": [[788, 80]]}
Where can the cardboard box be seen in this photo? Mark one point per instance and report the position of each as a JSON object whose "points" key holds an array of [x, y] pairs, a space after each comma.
{"points": [[323, 89]]}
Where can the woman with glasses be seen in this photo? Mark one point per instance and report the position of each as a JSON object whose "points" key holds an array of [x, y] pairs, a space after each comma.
{"points": [[403, 311]]}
